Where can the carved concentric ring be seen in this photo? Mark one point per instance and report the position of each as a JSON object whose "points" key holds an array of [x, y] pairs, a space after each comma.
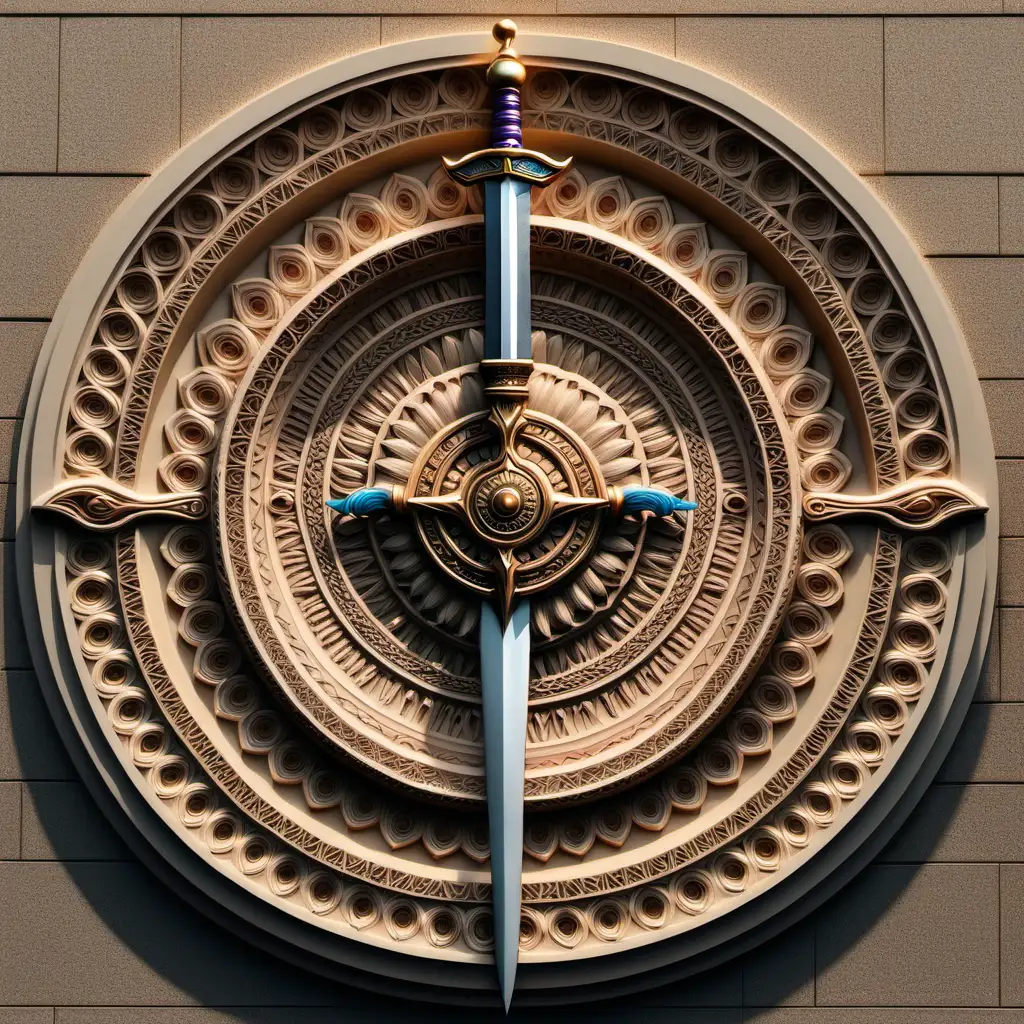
{"points": [[331, 678]]}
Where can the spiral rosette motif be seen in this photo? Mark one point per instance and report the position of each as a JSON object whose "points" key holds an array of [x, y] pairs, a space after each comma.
{"points": [[743, 649]]}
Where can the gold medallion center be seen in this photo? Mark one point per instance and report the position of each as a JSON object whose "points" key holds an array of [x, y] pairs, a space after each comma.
{"points": [[506, 502]]}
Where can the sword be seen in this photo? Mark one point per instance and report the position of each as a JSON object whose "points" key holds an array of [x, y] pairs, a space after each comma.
{"points": [[508, 173]]}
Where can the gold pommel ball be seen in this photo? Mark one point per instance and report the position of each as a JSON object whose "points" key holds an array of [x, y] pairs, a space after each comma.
{"points": [[506, 70], [504, 32], [506, 502]]}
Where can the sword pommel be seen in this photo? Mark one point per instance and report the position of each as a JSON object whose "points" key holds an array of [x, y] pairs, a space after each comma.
{"points": [[506, 70], [506, 75]]}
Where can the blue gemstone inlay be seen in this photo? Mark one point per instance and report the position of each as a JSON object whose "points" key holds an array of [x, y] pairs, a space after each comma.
{"points": [[527, 165]]}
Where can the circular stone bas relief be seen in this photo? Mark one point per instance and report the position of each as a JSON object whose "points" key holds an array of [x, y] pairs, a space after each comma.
{"points": [[286, 703]]}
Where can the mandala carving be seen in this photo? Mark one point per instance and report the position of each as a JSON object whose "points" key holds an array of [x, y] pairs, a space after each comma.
{"points": [[283, 481]]}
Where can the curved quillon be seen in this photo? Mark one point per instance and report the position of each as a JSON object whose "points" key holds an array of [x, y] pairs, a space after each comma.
{"points": [[509, 162], [505, 507]]}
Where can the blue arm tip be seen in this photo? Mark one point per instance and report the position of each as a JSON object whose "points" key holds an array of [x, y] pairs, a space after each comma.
{"points": [[363, 502], [652, 499]]}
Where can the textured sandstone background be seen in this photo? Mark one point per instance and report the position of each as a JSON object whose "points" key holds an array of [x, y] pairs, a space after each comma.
{"points": [[923, 97]]}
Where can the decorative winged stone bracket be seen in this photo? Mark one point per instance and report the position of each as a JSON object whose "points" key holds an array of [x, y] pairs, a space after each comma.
{"points": [[917, 505], [99, 503]]}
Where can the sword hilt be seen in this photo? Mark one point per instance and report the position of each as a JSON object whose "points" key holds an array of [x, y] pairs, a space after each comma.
{"points": [[505, 157], [506, 75]]}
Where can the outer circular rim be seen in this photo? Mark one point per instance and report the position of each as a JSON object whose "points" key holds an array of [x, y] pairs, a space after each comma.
{"points": [[895, 792]]}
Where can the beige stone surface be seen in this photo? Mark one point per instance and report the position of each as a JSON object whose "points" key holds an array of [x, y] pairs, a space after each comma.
{"points": [[990, 746], [29, 745], [1011, 622], [119, 93], [46, 225], [962, 824], [953, 94], [307, 7], [26, 1015], [944, 214], [824, 73], [776, 7], [985, 296], [509, 7], [218, 73], [912, 936], [1011, 903], [10, 820], [1011, 215], [60, 821], [1003, 400], [1011, 497], [13, 645], [781, 972], [786, 6], [10, 431], [991, 675], [7, 516], [1011, 571], [29, 52], [20, 343], [654, 34], [110, 934]]}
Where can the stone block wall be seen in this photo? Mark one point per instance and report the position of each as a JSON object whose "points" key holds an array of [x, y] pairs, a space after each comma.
{"points": [[925, 98]]}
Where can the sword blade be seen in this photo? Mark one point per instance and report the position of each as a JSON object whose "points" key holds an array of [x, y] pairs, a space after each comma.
{"points": [[507, 291], [504, 676]]}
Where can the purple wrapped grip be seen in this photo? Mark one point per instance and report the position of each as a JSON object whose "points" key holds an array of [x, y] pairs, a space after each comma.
{"points": [[506, 120]]}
